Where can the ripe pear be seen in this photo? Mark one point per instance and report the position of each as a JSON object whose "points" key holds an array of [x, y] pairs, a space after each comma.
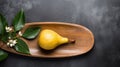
{"points": [[49, 39]]}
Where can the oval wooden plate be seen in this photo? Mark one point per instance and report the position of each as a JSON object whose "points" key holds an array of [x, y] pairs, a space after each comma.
{"points": [[84, 40]]}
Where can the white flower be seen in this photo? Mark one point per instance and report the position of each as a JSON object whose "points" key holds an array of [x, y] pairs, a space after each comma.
{"points": [[11, 43], [9, 37], [8, 43], [20, 33], [14, 41], [8, 29]]}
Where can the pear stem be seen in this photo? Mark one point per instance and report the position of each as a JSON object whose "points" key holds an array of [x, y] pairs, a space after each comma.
{"points": [[71, 41]]}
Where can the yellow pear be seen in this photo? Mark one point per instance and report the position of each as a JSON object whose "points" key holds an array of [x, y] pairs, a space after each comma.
{"points": [[49, 39]]}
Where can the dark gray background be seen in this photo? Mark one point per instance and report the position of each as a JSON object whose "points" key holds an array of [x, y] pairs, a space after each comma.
{"points": [[102, 17]]}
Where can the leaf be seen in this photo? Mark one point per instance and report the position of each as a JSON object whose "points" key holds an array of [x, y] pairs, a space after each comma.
{"points": [[3, 55], [19, 21], [3, 24], [21, 47], [31, 32], [4, 38]]}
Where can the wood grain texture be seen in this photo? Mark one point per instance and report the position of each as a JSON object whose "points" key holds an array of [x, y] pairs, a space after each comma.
{"points": [[84, 40]]}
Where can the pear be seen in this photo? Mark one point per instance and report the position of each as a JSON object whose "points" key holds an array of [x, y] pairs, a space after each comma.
{"points": [[49, 39]]}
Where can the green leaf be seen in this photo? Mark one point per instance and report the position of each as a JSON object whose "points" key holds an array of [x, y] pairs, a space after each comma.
{"points": [[31, 33], [3, 24], [21, 47], [3, 55], [4, 38], [19, 21]]}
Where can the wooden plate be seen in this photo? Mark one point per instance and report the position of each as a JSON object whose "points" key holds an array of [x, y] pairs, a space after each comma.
{"points": [[84, 40]]}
